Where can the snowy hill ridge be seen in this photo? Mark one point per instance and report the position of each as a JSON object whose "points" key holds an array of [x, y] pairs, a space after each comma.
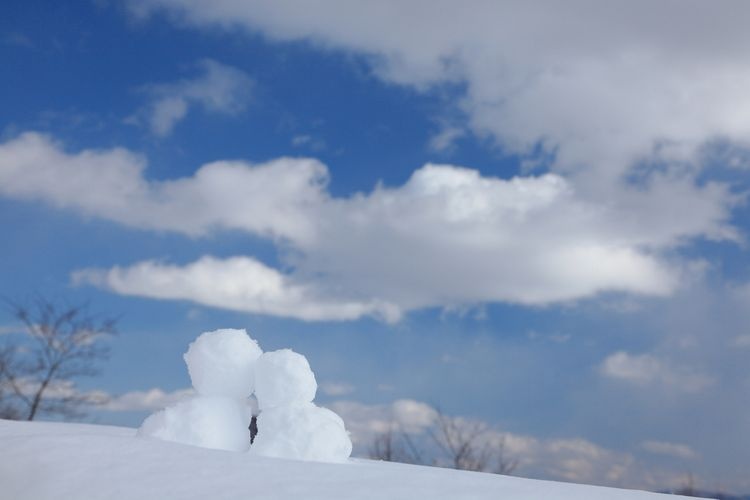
{"points": [[42, 460]]}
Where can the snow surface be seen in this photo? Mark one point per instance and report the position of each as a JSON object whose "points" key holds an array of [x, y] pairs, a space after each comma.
{"points": [[52, 461]]}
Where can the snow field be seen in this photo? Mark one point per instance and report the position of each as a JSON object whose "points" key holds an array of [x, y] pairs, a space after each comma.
{"points": [[54, 461]]}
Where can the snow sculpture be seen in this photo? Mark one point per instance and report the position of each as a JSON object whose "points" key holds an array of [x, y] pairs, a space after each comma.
{"points": [[222, 369], [225, 367], [290, 425]]}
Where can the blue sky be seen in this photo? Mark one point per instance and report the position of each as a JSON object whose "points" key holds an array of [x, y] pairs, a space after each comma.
{"points": [[519, 213]]}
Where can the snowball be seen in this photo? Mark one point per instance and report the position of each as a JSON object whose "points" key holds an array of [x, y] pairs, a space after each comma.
{"points": [[283, 377], [221, 363], [303, 432], [210, 422]]}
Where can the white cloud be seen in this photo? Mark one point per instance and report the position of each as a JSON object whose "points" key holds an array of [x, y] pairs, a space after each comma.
{"points": [[309, 142], [448, 237], [218, 89], [445, 139], [335, 388], [602, 89], [269, 199], [670, 449], [643, 369], [55, 390], [601, 85], [238, 283], [365, 421], [150, 400]]}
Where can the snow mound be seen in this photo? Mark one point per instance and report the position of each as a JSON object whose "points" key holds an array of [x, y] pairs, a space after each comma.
{"points": [[209, 422], [52, 461], [305, 432], [226, 366], [284, 377], [222, 363]]}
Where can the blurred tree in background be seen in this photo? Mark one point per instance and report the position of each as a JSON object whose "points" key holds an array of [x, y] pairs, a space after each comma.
{"points": [[40, 363]]}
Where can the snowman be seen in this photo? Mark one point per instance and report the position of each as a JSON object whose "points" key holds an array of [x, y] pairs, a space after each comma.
{"points": [[290, 425], [226, 367], [222, 369]]}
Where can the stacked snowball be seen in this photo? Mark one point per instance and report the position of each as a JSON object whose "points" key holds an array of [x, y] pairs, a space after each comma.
{"points": [[290, 425], [226, 367]]}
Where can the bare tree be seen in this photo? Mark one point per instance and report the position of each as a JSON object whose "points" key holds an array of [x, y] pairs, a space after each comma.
{"points": [[456, 443], [394, 445], [7, 410], [38, 369], [469, 445]]}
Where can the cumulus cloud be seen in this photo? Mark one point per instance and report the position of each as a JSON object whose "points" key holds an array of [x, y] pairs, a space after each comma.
{"points": [[217, 88], [643, 369], [448, 237], [238, 283], [597, 84], [269, 199]]}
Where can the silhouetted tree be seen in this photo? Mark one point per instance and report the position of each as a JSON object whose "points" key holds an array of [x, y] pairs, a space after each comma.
{"points": [[458, 444], [468, 445], [394, 445], [38, 369]]}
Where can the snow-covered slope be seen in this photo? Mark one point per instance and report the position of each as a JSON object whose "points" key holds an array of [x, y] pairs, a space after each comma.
{"points": [[40, 460]]}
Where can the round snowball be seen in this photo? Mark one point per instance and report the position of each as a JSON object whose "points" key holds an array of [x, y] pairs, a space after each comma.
{"points": [[302, 432], [210, 422], [283, 377], [222, 363]]}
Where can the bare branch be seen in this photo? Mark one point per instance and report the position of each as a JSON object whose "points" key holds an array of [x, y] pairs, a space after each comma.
{"points": [[60, 345], [460, 444]]}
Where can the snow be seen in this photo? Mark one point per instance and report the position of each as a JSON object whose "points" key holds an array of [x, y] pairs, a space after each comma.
{"points": [[289, 424], [211, 422], [50, 461], [284, 377], [303, 431], [226, 366], [222, 363]]}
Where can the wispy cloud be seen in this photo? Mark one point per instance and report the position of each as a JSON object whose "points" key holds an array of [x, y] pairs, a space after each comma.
{"points": [[676, 450], [150, 400], [17, 39], [217, 88], [309, 142], [445, 139], [336, 388], [643, 369]]}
